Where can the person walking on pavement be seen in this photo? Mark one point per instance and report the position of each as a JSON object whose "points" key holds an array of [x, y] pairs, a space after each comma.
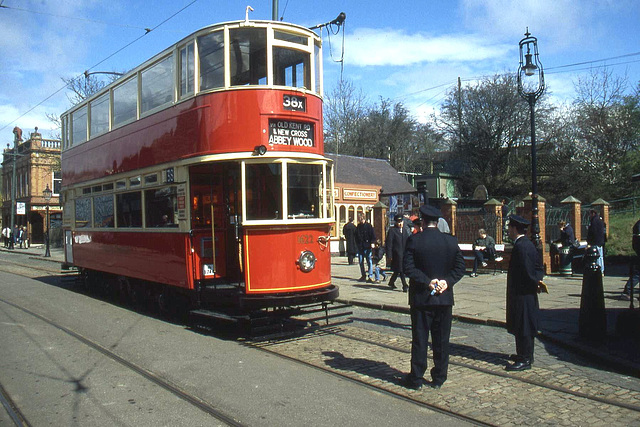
{"points": [[523, 279], [6, 232], [433, 262], [365, 238], [596, 236], [395, 245], [349, 233]]}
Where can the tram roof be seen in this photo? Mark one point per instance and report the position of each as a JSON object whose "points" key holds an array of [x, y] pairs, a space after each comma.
{"points": [[368, 171]]}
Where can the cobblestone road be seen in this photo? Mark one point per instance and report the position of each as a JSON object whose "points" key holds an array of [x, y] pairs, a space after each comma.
{"points": [[562, 389]]}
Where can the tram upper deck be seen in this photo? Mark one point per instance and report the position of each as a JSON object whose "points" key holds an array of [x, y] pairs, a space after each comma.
{"points": [[228, 88]]}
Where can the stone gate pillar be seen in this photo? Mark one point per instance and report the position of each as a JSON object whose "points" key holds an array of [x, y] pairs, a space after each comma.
{"points": [[494, 207], [448, 209], [603, 207], [380, 221], [575, 215], [542, 221]]}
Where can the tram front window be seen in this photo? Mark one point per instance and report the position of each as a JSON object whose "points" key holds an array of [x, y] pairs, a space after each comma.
{"points": [[291, 68], [264, 191], [248, 56], [305, 190]]}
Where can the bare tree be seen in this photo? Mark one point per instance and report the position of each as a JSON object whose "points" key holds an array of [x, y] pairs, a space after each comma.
{"points": [[344, 110]]}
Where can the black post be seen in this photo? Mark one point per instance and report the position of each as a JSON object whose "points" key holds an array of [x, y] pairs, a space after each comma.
{"points": [[535, 222], [47, 253]]}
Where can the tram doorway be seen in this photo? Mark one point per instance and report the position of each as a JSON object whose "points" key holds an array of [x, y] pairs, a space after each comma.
{"points": [[215, 217]]}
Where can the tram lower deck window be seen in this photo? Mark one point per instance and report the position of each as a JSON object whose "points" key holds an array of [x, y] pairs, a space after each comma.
{"points": [[305, 190], [264, 191], [161, 207], [129, 209]]}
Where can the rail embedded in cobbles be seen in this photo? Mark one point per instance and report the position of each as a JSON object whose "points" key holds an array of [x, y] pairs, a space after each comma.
{"points": [[478, 388]]}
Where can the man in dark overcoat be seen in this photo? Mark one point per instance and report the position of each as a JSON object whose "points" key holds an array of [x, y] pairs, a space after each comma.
{"points": [[433, 262], [523, 279], [395, 245], [349, 233]]}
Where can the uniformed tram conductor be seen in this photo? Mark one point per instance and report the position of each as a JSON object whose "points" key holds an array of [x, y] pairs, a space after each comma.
{"points": [[523, 279], [433, 263]]}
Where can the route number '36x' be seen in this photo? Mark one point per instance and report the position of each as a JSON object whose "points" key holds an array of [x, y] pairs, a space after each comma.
{"points": [[294, 103]]}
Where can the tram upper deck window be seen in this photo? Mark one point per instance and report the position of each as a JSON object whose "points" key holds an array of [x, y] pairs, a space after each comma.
{"points": [[248, 56], [99, 115], [157, 84], [317, 52], [79, 125], [264, 191], [125, 102], [211, 54], [186, 70], [288, 37], [304, 190], [291, 67]]}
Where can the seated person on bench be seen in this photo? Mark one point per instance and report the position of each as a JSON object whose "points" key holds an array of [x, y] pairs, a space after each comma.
{"points": [[483, 248]]}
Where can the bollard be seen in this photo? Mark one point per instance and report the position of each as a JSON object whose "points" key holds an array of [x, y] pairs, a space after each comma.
{"points": [[592, 323], [565, 261]]}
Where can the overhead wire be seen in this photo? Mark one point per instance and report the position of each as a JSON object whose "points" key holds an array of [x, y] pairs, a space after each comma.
{"points": [[146, 31]]}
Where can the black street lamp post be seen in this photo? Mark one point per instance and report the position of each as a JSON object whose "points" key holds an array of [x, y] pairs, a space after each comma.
{"points": [[47, 196], [531, 87]]}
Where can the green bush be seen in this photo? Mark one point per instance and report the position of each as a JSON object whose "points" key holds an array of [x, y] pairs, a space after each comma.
{"points": [[619, 240]]}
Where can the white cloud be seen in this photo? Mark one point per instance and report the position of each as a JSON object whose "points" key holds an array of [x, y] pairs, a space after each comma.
{"points": [[380, 47]]}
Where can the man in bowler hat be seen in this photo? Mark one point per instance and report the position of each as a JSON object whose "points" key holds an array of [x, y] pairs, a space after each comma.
{"points": [[523, 279], [433, 262]]}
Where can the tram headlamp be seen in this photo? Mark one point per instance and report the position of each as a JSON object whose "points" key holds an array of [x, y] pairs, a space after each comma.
{"points": [[307, 261], [260, 150]]}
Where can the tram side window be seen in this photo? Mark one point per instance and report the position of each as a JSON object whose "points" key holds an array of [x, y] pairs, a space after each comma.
{"points": [[129, 209], [103, 211], [161, 207], [157, 84], [99, 115], [248, 56], [125, 102], [186, 70], [264, 191], [211, 54], [83, 212], [291, 67], [304, 190], [79, 123]]}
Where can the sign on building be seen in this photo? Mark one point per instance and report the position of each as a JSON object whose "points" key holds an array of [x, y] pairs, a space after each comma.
{"points": [[21, 208]]}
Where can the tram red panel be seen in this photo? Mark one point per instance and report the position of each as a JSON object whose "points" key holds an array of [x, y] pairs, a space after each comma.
{"points": [[214, 123], [270, 260], [156, 257]]}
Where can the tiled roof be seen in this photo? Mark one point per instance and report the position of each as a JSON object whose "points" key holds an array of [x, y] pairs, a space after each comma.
{"points": [[366, 171]]}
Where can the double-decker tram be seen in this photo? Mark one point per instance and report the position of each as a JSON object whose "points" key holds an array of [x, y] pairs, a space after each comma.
{"points": [[198, 179]]}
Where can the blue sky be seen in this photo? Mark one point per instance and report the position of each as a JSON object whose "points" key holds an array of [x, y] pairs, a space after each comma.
{"points": [[407, 51]]}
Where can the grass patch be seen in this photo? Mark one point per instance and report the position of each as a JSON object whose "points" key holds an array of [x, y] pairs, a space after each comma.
{"points": [[619, 240]]}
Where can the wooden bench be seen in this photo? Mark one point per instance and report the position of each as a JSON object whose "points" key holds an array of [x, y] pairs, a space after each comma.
{"points": [[469, 255]]}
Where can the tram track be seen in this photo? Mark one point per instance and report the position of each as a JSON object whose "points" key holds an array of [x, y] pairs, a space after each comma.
{"points": [[163, 383], [353, 359]]}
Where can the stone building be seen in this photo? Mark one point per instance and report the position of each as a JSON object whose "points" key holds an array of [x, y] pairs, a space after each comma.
{"points": [[37, 163]]}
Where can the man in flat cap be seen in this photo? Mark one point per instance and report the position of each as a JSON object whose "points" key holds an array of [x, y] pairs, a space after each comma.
{"points": [[523, 278], [395, 245], [433, 262]]}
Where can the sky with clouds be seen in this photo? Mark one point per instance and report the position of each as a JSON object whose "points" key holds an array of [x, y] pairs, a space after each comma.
{"points": [[411, 51]]}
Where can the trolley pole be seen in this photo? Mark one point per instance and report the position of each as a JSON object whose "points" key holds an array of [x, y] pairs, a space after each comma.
{"points": [[274, 10]]}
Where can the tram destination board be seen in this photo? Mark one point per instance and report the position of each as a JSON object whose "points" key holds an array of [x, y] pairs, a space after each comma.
{"points": [[288, 132]]}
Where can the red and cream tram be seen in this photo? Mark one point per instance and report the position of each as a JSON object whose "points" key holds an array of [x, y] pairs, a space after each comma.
{"points": [[199, 176]]}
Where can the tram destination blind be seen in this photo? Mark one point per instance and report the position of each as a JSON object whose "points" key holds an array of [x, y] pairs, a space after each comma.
{"points": [[288, 132]]}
